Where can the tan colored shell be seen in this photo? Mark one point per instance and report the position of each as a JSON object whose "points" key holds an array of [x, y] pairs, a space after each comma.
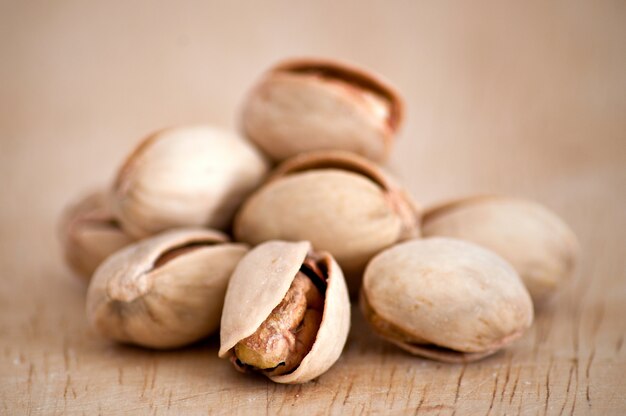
{"points": [[315, 104], [539, 245], [445, 299], [261, 281], [165, 291], [89, 234], [185, 176], [340, 202]]}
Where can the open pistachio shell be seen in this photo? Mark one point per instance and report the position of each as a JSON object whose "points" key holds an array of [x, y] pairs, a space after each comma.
{"points": [[315, 104], [259, 284], [539, 245], [445, 299], [185, 176], [338, 201], [89, 234], [165, 291]]}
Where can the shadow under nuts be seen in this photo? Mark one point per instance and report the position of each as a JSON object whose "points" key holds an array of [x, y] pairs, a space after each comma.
{"points": [[286, 312], [163, 292], [339, 202], [537, 243], [89, 234], [305, 105], [445, 299], [185, 176]]}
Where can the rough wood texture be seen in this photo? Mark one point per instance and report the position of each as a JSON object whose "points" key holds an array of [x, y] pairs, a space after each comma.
{"points": [[525, 98]]}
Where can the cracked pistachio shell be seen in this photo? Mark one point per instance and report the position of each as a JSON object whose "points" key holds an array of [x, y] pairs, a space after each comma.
{"points": [[258, 285], [445, 299], [89, 234], [539, 245], [185, 176], [165, 291], [338, 201], [314, 104]]}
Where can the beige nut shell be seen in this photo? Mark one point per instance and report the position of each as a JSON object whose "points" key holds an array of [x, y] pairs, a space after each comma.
{"points": [[257, 286], [340, 202], [315, 104], [539, 245], [185, 176], [89, 234], [152, 295], [455, 300]]}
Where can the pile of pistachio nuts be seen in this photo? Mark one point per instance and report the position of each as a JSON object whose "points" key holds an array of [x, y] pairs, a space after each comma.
{"points": [[267, 235]]}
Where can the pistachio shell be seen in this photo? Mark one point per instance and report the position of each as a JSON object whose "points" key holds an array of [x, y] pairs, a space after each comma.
{"points": [[314, 104], [445, 299], [89, 234], [258, 285], [185, 176], [538, 244], [165, 291], [340, 202]]}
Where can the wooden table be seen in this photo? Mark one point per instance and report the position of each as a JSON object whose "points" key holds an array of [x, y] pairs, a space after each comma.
{"points": [[524, 99]]}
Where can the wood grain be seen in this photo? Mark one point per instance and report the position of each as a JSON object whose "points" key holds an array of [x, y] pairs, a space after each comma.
{"points": [[527, 99]]}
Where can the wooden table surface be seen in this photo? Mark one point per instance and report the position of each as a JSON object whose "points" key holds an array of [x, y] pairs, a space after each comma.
{"points": [[527, 99]]}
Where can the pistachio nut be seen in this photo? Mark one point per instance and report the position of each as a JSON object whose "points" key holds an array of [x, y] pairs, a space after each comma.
{"points": [[185, 176], [89, 234], [165, 291], [340, 202], [286, 312], [445, 299], [539, 245], [315, 104]]}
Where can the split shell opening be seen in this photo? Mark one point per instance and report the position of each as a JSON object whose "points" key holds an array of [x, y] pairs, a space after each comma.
{"points": [[315, 104], [286, 313], [165, 291], [340, 202]]}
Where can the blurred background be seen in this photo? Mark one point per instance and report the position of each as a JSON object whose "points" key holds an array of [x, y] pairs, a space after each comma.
{"points": [[523, 98]]}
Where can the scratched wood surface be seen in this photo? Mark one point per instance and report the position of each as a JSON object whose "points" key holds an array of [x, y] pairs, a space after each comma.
{"points": [[527, 99]]}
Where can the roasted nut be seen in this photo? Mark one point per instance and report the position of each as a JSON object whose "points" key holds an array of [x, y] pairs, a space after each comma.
{"points": [[445, 299], [89, 234], [339, 202], [185, 176], [538, 244], [165, 291], [286, 313], [310, 104]]}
